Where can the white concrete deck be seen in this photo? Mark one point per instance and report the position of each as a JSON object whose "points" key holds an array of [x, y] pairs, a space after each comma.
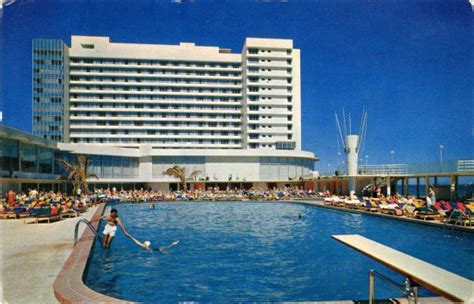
{"points": [[443, 282], [31, 257]]}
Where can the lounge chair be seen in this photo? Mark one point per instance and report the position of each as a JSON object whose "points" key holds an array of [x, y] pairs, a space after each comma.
{"points": [[426, 213], [370, 206], [69, 213], [7, 214], [21, 212], [352, 203], [44, 214], [409, 210], [392, 209], [466, 216]]}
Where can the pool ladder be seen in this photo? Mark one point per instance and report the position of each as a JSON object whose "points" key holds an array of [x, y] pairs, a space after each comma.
{"points": [[407, 288], [458, 219], [88, 224]]}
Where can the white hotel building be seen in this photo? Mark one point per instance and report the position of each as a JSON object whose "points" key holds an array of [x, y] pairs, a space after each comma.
{"points": [[230, 116]]}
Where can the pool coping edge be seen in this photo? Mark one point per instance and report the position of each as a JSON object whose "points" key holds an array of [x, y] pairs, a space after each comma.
{"points": [[69, 286]]}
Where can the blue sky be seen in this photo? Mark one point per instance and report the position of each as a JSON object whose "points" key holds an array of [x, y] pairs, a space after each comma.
{"points": [[408, 62]]}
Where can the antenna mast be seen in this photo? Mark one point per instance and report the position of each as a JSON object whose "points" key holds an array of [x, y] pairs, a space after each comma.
{"points": [[338, 126]]}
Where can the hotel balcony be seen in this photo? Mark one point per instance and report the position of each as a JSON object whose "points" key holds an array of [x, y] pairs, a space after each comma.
{"points": [[271, 55], [155, 75], [128, 110], [270, 121], [271, 64], [270, 83], [155, 128], [137, 118], [157, 101], [274, 112], [158, 84], [156, 67], [272, 74], [155, 136], [180, 93], [272, 93]]}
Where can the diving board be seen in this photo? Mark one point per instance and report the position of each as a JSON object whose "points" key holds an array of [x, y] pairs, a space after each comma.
{"points": [[443, 282]]}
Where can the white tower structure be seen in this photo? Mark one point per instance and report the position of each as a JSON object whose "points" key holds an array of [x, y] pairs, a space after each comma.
{"points": [[352, 145], [352, 152]]}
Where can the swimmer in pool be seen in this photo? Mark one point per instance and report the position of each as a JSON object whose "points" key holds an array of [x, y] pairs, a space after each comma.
{"points": [[111, 227], [146, 245]]}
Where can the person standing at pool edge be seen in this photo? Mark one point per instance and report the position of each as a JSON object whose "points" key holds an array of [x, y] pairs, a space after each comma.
{"points": [[431, 197], [111, 227]]}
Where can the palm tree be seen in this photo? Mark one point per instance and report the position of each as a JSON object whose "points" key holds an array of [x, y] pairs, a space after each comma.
{"points": [[179, 173], [77, 173]]}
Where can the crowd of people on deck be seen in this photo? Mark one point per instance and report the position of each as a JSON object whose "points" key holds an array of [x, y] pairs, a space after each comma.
{"points": [[32, 201], [453, 212], [15, 205], [215, 194]]}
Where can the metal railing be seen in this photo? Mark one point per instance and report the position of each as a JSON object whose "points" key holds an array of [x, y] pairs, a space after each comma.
{"points": [[406, 288], [452, 166], [88, 224], [466, 165], [382, 169]]}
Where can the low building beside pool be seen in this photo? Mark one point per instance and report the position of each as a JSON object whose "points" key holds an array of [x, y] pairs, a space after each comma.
{"points": [[28, 162]]}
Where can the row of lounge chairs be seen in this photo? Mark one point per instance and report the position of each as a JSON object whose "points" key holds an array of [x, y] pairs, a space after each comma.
{"points": [[37, 215], [219, 196], [456, 213]]}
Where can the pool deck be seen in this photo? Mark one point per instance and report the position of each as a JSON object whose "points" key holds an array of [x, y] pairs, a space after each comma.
{"points": [[31, 257]]}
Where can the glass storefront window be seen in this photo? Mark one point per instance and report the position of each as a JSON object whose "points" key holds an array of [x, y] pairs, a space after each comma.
{"points": [[46, 157], [95, 165], [9, 158], [29, 159]]}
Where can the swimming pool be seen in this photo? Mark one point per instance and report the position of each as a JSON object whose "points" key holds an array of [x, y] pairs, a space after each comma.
{"points": [[259, 252]]}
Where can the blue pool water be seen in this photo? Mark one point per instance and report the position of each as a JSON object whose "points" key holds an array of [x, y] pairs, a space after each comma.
{"points": [[259, 252]]}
